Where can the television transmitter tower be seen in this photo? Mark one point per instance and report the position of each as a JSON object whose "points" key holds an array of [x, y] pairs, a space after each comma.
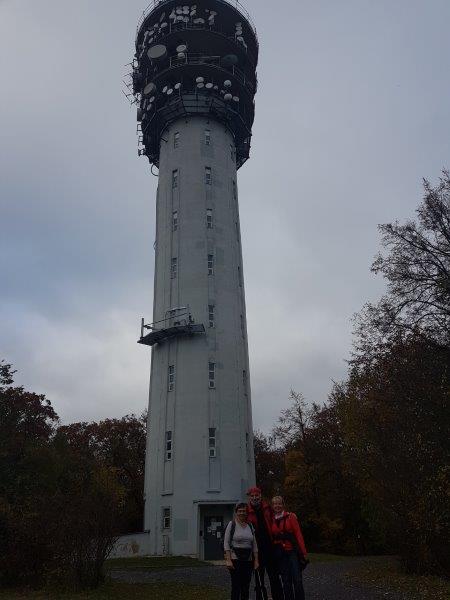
{"points": [[194, 80]]}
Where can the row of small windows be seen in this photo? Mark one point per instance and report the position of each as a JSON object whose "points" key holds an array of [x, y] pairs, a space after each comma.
{"points": [[206, 139], [208, 179], [174, 268], [211, 376], [209, 219], [212, 444]]}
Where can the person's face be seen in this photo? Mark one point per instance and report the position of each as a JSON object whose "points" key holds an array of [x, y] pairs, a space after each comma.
{"points": [[241, 514], [277, 505], [255, 499]]}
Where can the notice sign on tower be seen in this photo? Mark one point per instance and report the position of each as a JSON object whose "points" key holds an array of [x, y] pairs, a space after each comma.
{"points": [[194, 81]]}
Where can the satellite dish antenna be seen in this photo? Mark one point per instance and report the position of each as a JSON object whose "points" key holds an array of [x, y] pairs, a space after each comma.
{"points": [[165, 88], [236, 98], [229, 60], [177, 86], [150, 88], [199, 80], [227, 83], [209, 86], [200, 85], [181, 48], [228, 97], [158, 52]]}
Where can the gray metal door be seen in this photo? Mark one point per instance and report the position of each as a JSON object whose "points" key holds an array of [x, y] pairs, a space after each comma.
{"points": [[213, 538]]}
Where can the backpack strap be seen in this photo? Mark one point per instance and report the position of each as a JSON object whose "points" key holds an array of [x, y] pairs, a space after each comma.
{"points": [[232, 530]]}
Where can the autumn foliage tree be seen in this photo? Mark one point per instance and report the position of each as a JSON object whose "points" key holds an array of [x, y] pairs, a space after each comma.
{"points": [[64, 491], [369, 470]]}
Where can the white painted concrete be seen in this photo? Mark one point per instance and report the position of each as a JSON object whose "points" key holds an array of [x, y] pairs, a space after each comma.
{"points": [[191, 483]]}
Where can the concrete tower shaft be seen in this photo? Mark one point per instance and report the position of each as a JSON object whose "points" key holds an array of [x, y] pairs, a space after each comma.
{"points": [[194, 80], [206, 404]]}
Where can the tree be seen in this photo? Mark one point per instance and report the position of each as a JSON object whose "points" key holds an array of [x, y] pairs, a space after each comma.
{"points": [[118, 444], [27, 423], [269, 464], [61, 502], [394, 414], [416, 265]]}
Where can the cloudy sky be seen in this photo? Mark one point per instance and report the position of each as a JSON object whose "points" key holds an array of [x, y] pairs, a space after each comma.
{"points": [[353, 109]]}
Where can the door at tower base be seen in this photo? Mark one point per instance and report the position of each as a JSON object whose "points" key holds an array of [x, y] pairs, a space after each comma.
{"points": [[213, 519], [200, 537]]}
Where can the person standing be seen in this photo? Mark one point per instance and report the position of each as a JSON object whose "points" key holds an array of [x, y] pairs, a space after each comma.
{"points": [[290, 550], [260, 515], [241, 552]]}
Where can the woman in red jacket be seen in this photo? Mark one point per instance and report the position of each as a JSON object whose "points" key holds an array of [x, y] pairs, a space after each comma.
{"points": [[290, 550]]}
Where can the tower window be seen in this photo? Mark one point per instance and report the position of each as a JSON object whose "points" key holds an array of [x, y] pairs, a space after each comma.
{"points": [[176, 139], [210, 264], [174, 220], [212, 442], [173, 268], [209, 218], [171, 378], [244, 381], [168, 445], [211, 315], [166, 518], [207, 137], [175, 178], [234, 190], [208, 175], [212, 374], [247, 445], [242, 326]]}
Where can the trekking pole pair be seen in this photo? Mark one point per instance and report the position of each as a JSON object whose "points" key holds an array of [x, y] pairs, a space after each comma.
{"points": [[259, 585]]}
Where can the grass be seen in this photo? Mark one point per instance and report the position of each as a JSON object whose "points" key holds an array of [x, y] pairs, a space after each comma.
{"points": [[384, 572], [321, 558], [124, 591], [152, 562]]}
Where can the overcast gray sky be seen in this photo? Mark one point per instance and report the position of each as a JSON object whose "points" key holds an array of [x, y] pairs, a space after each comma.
{"points": [[353, 109]]}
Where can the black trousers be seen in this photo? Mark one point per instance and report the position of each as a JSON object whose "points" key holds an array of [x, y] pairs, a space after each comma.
{"points": [[269, 567], [291, 576], [241, 577]]}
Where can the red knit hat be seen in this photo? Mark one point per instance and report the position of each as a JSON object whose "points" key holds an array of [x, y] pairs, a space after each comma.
{"points": [[253, 490]]}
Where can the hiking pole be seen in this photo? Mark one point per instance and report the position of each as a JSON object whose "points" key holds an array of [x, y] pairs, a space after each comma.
{"points": [[259, 585]]}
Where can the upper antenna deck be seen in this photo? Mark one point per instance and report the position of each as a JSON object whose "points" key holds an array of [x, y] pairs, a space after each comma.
{"points": [[195, 59], [234, 3]]}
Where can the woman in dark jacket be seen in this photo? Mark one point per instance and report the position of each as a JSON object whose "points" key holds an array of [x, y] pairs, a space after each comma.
{"points": [[290, 550]]}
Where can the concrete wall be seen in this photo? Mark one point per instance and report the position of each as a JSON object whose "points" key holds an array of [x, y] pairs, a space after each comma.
{"points": [[191, 478], [133, 544]]}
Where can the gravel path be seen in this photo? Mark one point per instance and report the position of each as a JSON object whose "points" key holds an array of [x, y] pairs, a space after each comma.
{"points": [[322, 581]]}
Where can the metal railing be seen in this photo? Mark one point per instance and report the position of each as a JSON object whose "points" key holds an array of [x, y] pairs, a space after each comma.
{"points": [[234, 3], [180, 26], [200, 59]]}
